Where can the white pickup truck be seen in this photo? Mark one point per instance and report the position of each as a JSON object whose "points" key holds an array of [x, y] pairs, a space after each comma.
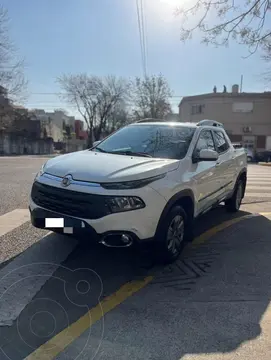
{"points": [[147, 182]]}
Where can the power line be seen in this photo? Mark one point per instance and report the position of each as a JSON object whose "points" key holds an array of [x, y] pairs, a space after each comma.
{"points": [[63, 94], [141, 34]]}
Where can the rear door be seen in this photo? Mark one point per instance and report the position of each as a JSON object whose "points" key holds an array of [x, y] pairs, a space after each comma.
{"points": [[225, 168]]}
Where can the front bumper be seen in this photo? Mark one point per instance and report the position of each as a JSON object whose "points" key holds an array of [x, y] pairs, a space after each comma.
{"points": [[141, 224]]}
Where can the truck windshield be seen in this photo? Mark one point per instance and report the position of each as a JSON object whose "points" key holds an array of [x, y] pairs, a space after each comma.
{"points": [[159, 141]]}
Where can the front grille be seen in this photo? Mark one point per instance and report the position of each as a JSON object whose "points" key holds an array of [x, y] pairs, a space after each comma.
{"points": [[68, 202]]}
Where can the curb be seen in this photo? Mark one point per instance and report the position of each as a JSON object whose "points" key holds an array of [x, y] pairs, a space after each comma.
{"points": [[264, 164]]}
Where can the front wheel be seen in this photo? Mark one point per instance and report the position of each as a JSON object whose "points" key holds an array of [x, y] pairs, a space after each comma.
{"points": [[233, 204], [171, 239]]}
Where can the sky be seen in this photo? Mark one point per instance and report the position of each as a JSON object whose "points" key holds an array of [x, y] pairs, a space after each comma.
{"points": [[101, 37]]}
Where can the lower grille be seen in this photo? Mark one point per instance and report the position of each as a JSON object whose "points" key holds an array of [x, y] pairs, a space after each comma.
{"points": [[68, 202]]}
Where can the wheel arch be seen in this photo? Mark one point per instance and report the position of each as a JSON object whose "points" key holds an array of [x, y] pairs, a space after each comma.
{"points": [[185, 198], [242, 176]]}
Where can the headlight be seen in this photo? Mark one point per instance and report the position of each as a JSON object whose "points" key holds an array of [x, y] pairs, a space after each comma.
{"points": [[41, 171], [131, 184], [124, 203]]}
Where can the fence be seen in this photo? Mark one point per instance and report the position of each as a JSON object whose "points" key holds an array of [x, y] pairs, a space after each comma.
{"points": [[19, 145]]}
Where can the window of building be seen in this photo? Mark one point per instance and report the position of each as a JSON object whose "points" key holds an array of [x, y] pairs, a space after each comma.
{"points": [[205, 141], [197, 109], [220, 142], [261, 141], [235, 138], [246, 107]]}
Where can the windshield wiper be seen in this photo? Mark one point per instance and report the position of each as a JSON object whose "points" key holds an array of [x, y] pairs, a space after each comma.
{"points": [[132, 153], [99, 149]]}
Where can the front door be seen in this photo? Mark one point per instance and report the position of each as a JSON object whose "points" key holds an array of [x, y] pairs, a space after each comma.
{"points": [[205, 179]]}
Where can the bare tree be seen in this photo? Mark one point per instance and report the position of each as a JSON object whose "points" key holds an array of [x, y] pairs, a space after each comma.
{"points": [[118, 118], [222, 20], [12, 77], [150, 97], [94, 97], [112, 92]]}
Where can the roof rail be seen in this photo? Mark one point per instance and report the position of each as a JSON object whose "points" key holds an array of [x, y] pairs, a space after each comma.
{"points": [[210, 123], [150, 120]]}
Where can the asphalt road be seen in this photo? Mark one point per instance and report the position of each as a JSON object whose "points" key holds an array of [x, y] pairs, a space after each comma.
{"points": [[66, 299]]}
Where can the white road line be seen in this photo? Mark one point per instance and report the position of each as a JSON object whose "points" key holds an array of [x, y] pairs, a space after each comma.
{"points": [[265, 178], [252, 187], [267, 182], [12, 220], [257, 176], [22, 278], [258, 195]]}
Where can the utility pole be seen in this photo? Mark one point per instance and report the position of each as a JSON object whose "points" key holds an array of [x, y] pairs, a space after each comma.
{"points": [[241, 84]]}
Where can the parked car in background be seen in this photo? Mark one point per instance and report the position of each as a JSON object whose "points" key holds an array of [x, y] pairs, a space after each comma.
{"points": [[249, 152], [145, 183], [264, 156], [250, 155]]}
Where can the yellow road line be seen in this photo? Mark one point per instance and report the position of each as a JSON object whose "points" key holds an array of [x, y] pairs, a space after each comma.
{"points": [[214, 230], [266, 214], [58, 343]]}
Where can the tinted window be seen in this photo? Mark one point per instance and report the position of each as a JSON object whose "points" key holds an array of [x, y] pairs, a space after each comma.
{"points": [[220, 142], [159, 141], [205, 141]]}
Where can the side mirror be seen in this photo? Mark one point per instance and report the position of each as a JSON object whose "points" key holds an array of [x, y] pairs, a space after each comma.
{"points": [[208, 155], [96, 143]]}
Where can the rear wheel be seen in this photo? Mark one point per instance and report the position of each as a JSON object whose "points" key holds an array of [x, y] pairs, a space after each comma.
{"points": [[172, 237], [233, 204]]}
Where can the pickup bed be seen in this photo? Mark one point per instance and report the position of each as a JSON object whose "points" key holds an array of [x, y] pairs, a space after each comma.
{"points": [[145, 183]]}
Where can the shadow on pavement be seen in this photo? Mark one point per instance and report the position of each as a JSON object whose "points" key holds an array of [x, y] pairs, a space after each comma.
{"points": [[220, 309], [221, 312]]}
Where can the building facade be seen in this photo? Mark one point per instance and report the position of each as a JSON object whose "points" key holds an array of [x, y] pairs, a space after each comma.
{"points": [[245, 116], [79, 130], [54, 122]]}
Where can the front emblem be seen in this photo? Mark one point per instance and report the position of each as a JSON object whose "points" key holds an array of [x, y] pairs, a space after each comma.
{"points": [[66, 181]]}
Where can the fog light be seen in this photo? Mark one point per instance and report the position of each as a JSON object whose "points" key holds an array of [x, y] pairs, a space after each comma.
{"points": [[125, 239]]}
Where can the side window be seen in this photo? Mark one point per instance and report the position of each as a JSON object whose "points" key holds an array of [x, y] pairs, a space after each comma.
{"points": [[220, 142], [205, 141]]}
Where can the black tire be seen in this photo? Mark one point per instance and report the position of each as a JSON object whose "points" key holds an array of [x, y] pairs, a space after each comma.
{"points": [[167, 249], [233, 204]]}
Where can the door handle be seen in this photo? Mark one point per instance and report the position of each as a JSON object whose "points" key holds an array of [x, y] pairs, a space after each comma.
{"points": [[217, 163]]}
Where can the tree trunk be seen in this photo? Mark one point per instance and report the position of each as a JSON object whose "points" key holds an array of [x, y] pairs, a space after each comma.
{"points": [[90, 138]]}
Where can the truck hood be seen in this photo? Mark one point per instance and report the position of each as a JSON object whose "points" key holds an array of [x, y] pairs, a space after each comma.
{"points": [[100, 167]]}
